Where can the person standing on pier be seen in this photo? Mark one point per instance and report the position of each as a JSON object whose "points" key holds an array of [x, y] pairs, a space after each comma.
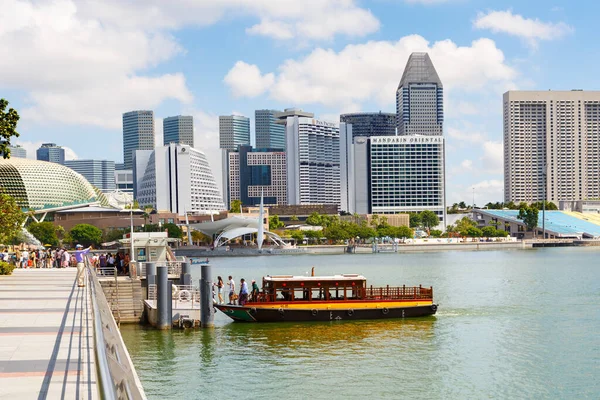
{"points": [[231, 285], [80, 252]]}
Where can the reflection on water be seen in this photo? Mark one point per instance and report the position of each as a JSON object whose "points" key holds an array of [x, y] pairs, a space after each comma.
{"points": [[510, 325]]}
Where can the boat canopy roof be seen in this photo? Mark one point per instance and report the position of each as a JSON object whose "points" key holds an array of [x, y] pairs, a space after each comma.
{"points": [[292, 278]]}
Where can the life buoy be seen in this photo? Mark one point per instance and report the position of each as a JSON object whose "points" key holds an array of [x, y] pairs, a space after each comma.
{"points": [[314, 312], [434, 307], [350, 312], [385, 310], [184, 295], [253, 310], [281, 311]]}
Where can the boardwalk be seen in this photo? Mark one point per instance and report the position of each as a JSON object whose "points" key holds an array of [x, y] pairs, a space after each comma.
{"points": [[46, 336]]}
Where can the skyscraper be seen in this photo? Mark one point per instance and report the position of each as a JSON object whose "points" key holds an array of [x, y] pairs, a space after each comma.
{"points": [[253, 172], [100, 173], [178, 129], [269, 134], [551, 145], [234, 131], [138, 134], [16, 151], [420, 98], [367, 124], [313, 161], [51, 152]]}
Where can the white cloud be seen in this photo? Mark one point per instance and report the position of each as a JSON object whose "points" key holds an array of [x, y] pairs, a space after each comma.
{"points": [[489, 190], [86, 62], [467, 164], [275, 29], [371, 71], [245, 80], [493, 157], [466, 136], [516, 25]]}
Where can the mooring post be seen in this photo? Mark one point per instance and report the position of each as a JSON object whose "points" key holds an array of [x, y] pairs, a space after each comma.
{"points": [[186, 277], [163, 298], [207, 313]]}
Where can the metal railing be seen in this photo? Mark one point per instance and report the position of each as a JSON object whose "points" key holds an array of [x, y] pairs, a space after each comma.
{"points": [[116, 374], [174, 267], [180, 294]]}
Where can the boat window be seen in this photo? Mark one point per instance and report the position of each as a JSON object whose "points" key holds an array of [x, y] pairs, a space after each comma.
{"points": [[318, 294]]}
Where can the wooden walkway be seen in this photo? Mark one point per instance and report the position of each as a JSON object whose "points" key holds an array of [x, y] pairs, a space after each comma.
{"points": [[46, 336]]}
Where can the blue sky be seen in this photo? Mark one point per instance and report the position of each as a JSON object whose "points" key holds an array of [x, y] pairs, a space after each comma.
{"points": [[76, 66]]}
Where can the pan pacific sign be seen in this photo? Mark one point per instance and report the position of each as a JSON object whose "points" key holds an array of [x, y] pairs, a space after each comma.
{"points": [[407, 140]]}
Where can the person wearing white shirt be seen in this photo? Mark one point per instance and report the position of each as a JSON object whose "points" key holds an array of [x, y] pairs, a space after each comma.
{"points": [[231, 285]]}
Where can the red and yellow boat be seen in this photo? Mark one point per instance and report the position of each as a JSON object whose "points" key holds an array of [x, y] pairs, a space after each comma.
{"points": [[330, 298]]}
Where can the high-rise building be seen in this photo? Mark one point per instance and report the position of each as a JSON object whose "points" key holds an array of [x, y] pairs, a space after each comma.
{"points": [[268, 133], [420, 98], [234, 131], [16, 151], [138, 134], [551, 145], [313, 161], [371, 124], [100, 173], [178, 129], [258, 171], [399, 174], [347, 177], [51, 152], [177, 178]]}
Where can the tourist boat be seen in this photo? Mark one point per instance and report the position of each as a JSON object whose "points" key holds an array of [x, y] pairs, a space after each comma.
{"points": [[330, 298], [197, 261]]}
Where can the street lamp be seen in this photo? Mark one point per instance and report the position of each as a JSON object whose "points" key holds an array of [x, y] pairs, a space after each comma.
{"points": [[132, 250]]}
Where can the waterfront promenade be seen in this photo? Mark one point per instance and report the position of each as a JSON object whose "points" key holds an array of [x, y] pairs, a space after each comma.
{"points": [[46, 336]]}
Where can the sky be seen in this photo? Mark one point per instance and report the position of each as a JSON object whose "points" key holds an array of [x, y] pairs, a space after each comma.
{"points": [[75, 66]]}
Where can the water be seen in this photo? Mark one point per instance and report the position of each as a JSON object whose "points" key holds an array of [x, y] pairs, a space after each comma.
{"points": [[511, 324]]}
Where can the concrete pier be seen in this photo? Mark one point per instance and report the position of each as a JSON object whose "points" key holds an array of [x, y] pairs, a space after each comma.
{"points": [[46, 336]]}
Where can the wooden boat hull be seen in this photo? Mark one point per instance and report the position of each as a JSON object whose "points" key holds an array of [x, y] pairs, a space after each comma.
{"points": [[256, 313]]}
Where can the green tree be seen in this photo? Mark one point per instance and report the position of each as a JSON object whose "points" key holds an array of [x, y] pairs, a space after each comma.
{"points": [[8, 127], [11, 218], [136, 205], [435, 233], [404, 232], [529, 215], [473, 231], [293, 218], [489, 231], [236, 206], [314, 219], [173, 230], [549, 205], [86, 234], [462, 205], [297, 235], [415, 220], [313, 235], [114, 234], [45, 232], [335, 232], [199, 237], [429, 219], [275, 223]]}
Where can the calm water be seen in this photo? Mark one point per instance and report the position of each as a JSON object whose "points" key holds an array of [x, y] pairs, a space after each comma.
{"points": [[511, 324]]}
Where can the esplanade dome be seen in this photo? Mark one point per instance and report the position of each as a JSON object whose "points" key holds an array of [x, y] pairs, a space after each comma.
{"points": [[41, 185]]}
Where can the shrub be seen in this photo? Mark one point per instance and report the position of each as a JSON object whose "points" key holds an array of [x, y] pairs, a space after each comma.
{"points": [[6, 268]]}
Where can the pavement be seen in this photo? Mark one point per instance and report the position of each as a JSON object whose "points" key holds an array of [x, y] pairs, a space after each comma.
{"points": [[46, 336]]}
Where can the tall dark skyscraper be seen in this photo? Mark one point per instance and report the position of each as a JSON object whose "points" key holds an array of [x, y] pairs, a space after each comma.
{"points": [[268, 133], [367, 124], [420, 98], [138, 134], [178, 129]]}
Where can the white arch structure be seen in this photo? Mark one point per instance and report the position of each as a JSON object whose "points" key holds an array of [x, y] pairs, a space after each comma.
{"points": [[233, 227]]}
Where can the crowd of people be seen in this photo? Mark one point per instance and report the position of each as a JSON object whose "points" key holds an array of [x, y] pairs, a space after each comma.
{"points": [[243, 296]]}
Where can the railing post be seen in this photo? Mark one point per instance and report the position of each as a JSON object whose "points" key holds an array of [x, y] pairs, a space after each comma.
{"points": [[163, 298], [185, 278], [207, 314]]}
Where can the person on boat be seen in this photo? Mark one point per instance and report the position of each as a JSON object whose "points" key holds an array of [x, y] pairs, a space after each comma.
{"points": [[255, 291], [243, 299], [220, 285], [231, 284]]}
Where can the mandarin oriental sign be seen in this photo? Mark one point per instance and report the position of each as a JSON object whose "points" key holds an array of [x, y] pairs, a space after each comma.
{"points": [[407, 139]]}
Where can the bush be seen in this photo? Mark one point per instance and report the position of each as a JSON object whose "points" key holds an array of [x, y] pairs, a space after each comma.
{"points": [[6, 268]]}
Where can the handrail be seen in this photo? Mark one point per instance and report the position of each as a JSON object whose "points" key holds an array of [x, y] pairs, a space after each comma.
{"points": [[117, 378]]}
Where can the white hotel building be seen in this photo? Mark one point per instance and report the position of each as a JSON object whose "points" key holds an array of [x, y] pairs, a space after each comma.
{"points": [[313, 161], [176, 178], [399, 174]]}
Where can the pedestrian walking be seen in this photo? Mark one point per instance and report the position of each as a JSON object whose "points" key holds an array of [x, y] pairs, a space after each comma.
{"points": [[65, 258], [243, 298]]}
